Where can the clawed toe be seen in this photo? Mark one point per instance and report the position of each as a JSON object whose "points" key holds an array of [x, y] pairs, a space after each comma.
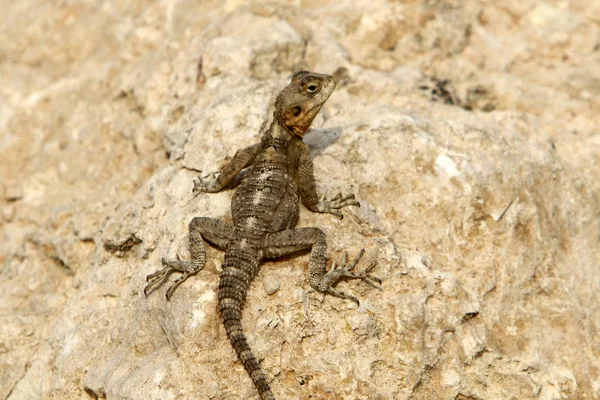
{"points": [[205, 183], [343, 295], [156, 279], [159, 277], [176, 284], [367, 277], [345, 271], [337, 202]]}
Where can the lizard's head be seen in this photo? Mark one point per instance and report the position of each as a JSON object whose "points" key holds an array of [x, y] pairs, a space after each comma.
{"points": [[300, 102]]}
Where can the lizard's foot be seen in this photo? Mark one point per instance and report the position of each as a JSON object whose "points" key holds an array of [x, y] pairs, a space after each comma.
{"points": [[345, 272], [156, 279], [205, 183], [333, 205]]}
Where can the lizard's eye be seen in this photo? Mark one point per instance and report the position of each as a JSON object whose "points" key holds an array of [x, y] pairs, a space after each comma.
{"points": [[312, 88], [296, 111]]}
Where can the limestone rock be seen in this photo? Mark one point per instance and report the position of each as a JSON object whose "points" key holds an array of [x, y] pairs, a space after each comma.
{"points": [[468, 131]]}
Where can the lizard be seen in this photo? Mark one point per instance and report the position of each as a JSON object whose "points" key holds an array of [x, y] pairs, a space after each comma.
{"points": [[265, 211]]}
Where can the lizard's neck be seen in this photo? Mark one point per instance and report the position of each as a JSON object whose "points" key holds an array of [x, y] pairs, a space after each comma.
{"points": [[279, 134]]}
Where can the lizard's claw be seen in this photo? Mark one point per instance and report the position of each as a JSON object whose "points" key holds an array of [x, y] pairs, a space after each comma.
{"points": [[205, 183], [333, 205], [156, 279], [336, 274]]}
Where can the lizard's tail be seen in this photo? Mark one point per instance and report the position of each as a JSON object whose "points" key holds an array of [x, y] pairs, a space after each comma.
{"points": [[231, 299]]}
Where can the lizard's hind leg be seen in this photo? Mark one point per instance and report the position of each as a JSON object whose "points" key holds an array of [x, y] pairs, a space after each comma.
{"points": [[214, 231], [292, 240]]}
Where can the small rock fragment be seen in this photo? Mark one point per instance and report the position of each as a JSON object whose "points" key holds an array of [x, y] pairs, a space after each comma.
{"points": [[271, 285]]}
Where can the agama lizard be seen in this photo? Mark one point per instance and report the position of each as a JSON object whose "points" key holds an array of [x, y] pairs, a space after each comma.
{"points": [[265, 211]]}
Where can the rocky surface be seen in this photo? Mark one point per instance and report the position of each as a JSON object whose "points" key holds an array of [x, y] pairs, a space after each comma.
{"points": [[469, 131]]}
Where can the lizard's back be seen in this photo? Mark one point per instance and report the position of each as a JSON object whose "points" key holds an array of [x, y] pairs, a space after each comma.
{"points": [[266, 200]]}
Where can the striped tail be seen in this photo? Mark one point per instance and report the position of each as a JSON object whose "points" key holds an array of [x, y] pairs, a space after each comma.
{"points": [[232, 293]]}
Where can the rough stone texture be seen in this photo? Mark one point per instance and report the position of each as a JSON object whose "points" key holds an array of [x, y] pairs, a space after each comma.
{"points": [[469, 131]]}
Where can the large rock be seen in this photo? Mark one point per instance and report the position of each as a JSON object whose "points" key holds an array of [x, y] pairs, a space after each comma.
{"points": [[468, 131]]}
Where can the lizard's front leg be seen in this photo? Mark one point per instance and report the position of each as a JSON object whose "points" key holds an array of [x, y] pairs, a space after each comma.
{"points": [[308, 189], [292, 240], [214, 231], [217, 181]]}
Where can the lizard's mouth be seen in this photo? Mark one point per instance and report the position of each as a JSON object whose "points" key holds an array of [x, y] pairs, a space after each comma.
{"points": [[296, 130]]}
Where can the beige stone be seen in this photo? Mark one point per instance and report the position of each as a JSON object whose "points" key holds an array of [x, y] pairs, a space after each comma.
{"points": [[468, 130]]}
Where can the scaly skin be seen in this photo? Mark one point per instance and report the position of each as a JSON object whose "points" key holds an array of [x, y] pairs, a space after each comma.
{"points": [[265, 211]]}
